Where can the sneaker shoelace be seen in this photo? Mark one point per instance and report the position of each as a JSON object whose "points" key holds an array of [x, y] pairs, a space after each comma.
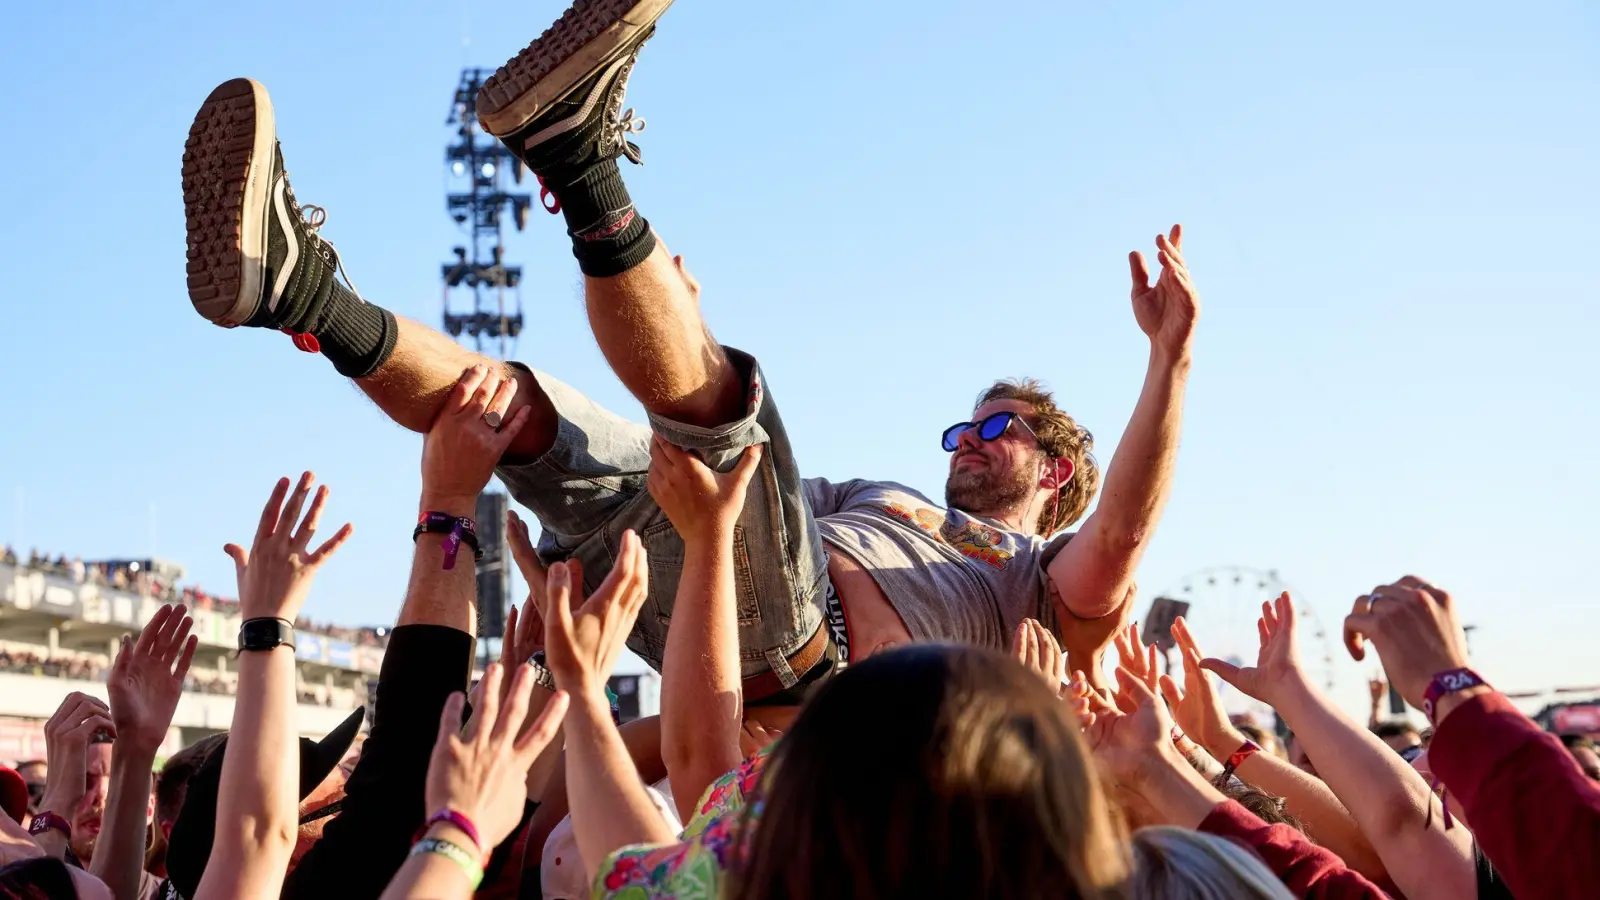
{"points": [[313, 217], [619, 128]]}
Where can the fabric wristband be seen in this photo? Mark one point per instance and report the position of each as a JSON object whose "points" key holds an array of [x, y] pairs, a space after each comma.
{"points": [[46, 821], [1246, 750], [459, 530], [450, 817], [1448, 682], [453, 852]]}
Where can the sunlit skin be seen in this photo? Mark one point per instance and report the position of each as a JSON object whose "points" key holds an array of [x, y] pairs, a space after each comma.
{"points": [[86, 818]]}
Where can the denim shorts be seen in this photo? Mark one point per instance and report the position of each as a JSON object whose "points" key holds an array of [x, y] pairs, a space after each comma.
{"points": [[589, 488]]}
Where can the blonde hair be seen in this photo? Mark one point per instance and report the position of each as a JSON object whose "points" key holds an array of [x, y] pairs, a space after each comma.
{"points": [[1179, 864]]}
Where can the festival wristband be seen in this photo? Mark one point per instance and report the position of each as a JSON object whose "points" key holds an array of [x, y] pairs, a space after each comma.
{"points": [[458, 530], [453, 852], [450, 817], [1246, 750], [49, 821], [1448, 682]]}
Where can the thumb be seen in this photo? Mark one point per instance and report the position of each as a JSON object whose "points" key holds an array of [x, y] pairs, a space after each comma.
{"points": [[239, 555], [1356, 628], [1227, 671], [746, 468]]}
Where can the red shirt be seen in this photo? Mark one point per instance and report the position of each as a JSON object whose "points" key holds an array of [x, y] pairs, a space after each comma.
{"points": [[1306, 869], [1534, 813]]}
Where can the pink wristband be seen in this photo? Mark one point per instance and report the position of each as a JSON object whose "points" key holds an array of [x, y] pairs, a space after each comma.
{"points": [[451, 817]]}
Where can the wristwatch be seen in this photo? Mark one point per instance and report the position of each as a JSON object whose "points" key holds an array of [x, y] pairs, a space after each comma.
{"points": [[265, 634], [47, 821]]}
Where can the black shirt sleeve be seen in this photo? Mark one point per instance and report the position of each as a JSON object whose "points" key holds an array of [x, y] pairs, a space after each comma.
{"points": [[367, 842]]}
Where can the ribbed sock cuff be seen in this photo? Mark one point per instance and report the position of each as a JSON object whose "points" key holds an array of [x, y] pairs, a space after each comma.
{"points": [[356, 336]]}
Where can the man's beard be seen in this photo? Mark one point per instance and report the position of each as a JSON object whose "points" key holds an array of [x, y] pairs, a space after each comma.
{"points": [[987, 492]]}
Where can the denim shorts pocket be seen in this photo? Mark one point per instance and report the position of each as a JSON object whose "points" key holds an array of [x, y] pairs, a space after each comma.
{"points": [[665, 549]]}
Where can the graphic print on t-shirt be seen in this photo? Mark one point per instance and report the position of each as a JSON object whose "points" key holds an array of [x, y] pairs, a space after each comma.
{"points": [[973, 540]]}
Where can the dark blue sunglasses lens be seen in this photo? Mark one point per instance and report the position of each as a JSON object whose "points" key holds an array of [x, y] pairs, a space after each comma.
{"points": [[952, 436], [994, 426]]}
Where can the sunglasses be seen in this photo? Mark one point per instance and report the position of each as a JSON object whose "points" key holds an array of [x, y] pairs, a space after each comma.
{"points": [[989, 428]]}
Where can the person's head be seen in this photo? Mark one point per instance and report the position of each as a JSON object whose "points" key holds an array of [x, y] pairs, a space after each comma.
{"points": [[1178, 864], [86, 818], [1270, 809], [35, 774], [1583, 751], [1399, 734], [1040, 467], [1263, 738], [933, 770], [173, 782], [48, 878]]}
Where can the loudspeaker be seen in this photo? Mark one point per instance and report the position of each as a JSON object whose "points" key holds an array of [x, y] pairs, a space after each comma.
{"points": [[494, 570]]}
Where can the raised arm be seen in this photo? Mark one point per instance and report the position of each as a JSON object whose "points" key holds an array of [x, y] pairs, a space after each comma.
{"points": [[1536, 815], [1092, 572], [66, 741], [610, 808], [259, 792], [702, 702], [1397, 811], [145, 683], [1199, 712]]}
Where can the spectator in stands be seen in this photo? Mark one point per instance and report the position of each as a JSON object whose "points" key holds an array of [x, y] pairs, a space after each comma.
{"points": [[1583, 751], [9, 556]]}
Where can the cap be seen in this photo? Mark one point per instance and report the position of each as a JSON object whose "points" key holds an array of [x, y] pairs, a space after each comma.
{"points": [[13, 794]]}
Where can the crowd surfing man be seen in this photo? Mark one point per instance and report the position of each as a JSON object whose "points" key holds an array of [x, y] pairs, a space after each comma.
{"points": [[827, 571]]}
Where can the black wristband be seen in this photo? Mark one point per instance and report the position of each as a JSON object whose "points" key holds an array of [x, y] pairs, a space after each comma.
{"points": [[265, 634]]}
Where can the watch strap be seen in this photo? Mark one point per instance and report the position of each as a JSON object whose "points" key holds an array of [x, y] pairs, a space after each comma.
{"points": [[265, 634]]}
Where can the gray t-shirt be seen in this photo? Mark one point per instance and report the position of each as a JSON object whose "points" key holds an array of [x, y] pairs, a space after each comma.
{"points": [[950, 576]]}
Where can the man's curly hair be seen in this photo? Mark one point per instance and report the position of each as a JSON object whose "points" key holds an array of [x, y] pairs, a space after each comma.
{"points": [[1062, 438]]}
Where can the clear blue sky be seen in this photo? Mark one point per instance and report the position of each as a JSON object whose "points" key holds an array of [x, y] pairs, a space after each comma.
{"points": [[1389, 207]]}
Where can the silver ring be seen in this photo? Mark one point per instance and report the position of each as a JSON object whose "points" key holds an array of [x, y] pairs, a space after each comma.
{"points": [[492, 419]]}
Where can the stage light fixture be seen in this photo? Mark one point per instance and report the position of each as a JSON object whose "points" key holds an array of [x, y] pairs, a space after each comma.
{"points": [[487, 170], [458, 168]]}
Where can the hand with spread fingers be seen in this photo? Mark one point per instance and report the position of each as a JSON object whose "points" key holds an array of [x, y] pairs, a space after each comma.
{"points": [[1138, 659], [67, 735], [701, 504], [1277, 667], [480, 773], [582, 645], [467, 439], [1035, 647], [1196, 706], [147, 679], [1416, 630], [1167, 310], [275, 574], [1138, 732]]}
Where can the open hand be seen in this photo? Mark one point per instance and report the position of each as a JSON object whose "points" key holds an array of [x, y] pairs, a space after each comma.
{"points": [[1167, 310], [1196, 707], [147, 679], [1415, 628], [275, 574], [462, 447], [582, 646], [1035, 647], [701, 504], [1127, 739], [66, 741], [1138, 659], [1277, 667], [481, 772]]}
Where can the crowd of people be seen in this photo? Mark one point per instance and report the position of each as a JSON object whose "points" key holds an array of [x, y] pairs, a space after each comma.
{"points": [[864, 693]]}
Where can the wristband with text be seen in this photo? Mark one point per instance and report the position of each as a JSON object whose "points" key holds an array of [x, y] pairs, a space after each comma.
{"points": [[49, 821], [459, 530], [450, 817], [265, 634], [1448, 682], [1236, 759], [453, 852]]}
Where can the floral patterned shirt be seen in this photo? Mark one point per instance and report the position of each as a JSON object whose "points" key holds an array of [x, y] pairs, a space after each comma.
{"points": [[696, 867]]}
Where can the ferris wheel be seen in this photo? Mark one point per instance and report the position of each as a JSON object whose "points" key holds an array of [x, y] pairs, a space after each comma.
{"points": [[1224, 604]]}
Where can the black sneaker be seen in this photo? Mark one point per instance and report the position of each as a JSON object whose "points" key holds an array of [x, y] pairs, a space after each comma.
{"points": [[558, 103], [254, 255]]}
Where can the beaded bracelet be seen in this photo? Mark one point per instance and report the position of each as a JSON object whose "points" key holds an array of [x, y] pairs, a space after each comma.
{"points": [[453, 852]]}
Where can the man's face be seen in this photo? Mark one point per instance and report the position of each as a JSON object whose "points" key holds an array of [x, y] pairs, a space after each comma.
{"points": [[86, 818], [990, 477], [35, 775], [1405, 740]]}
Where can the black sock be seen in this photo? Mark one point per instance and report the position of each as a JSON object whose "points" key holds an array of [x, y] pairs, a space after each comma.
{"points": [[609, 236], [356, 336]]}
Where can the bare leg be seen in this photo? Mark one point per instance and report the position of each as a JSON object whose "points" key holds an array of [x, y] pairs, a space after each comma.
{"points": [[411, 385], [647, 322]]}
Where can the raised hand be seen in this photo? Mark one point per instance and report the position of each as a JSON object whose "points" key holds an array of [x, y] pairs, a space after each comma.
{"points": [[1127, 739], [1035, 647], [1139, 660], [147, 679], [1415, 628], [275, 574], [1196, 707], [582, 646], [701, 504], [1167, 310], [481, 773], [467, 439], [1277, 665], [66, 740]]}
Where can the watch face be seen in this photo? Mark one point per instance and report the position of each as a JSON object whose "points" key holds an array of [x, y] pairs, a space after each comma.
{"points": [[263, 634]]}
